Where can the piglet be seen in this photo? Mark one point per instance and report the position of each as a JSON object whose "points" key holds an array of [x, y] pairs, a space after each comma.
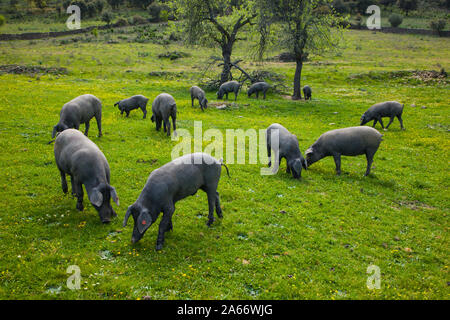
{"points": [[227, 87], [77, 111], [287, 148], [257, 88], [351, 141], [199, 94], [134, 102], [163, 107], [307, 92], [389, 109]]}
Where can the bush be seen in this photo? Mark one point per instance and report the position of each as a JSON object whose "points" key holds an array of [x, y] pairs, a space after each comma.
{"points": [[99, 5], [395, 20], [163, 16], [107, 17], [91, 9], [2, 20], [137, 19], [340, 6], [438, 25], [121, 22], [155, 10], [407, 5]]}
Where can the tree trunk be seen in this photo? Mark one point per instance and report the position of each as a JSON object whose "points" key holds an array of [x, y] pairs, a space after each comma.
{"points": [[297, 80], [226, 54]]}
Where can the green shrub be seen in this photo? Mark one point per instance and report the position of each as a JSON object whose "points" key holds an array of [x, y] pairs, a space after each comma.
{"points": [[94, 32], [163, 16], [137, 19], [395, 20], [155, 9], [340, 6], [107, 17], [438, 25], [121, 22], [99, 5], [2, 20]]}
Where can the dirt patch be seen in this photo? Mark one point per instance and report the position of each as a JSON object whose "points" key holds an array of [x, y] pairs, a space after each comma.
{"points": [[426, 76], [429, 75], [414, 205], [151, 161], [18, 69]]}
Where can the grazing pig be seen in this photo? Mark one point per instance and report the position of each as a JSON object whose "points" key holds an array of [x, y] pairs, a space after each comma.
{"points": [[138, 101], [163, 107], [389, 109], [351, 141], [307, 92], [199, 94], [170, 183], [80, 158], [77, 111], [227, 87], [287, 148], [258, 87]]}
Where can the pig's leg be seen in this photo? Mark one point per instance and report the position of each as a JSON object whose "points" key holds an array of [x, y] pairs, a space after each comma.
{"points": [[211, 205], [257, 94], [128, 113], [374, 123], [369, 157], [63, 182], [337, 161], [235, 96], [144, 110], [79, 194], [174, 120], [98, 118], [74, 187], [218, 208], [269, 150], [192, 100], [390, 121], [399, 117], [158, 123], [381, 122], [164, 225], [167, 125], [86, 129], [121, 112], [169, 226], [265, 94], [288, 169]]}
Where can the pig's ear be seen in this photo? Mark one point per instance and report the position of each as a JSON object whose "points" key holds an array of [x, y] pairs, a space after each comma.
{"points": [[309, 151], [304, 164], [144, 221], [96, 197], [54, 132], [127, 215], [114, 195]]}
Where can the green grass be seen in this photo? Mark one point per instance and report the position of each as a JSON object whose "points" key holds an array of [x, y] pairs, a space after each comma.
{"points": [[280, 238]]}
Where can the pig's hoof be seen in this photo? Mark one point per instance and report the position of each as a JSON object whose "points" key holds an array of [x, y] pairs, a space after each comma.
{"points": [[159, 247], [80, 206], [210, 222]]}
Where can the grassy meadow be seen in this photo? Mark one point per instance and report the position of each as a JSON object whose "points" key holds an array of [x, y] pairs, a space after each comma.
{"points": [[280, 238]]}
